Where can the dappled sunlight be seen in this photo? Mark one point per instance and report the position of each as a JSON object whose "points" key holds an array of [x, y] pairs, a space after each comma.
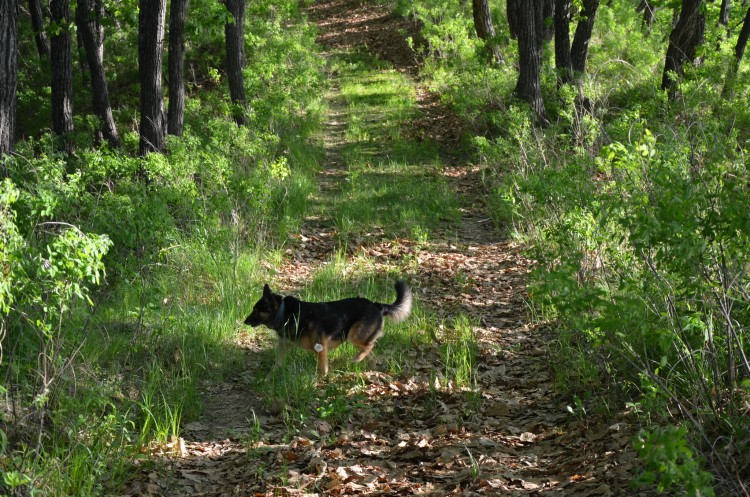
{"points": [[456, 400]]}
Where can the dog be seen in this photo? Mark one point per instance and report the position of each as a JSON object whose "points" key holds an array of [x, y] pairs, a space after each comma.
{"points": [[323, 326]]}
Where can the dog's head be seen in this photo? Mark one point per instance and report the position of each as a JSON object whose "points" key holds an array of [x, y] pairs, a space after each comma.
{"points": [[264, 311]]}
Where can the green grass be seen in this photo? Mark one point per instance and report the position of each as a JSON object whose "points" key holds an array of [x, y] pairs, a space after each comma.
{"points": [[459, 352], [392, 181], [392, 185], [450, 349], [192, 249]]}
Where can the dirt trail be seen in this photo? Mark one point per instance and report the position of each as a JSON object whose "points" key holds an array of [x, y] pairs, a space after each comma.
{"points": [[515, 437]]}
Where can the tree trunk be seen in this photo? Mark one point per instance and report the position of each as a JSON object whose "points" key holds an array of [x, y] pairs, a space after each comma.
{"points": [[683, 42], [235, 45], [153, 127], [724, 13], [739, 52], [739, 48], [86, 20], [176, 112], [99, 27], [580, 48], [529, 16], [563, 63], [548, 20], [83, 63], [62, 74], [485, 30], [648, 14], [37, 23], [8, 74], [511, 9]]}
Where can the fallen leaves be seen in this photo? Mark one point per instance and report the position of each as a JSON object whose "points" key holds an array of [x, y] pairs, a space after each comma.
{"points": [[415, 433]]}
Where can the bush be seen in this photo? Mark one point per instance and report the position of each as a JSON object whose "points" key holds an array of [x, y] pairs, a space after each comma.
{"points": [[635, 209], [178, 234]]}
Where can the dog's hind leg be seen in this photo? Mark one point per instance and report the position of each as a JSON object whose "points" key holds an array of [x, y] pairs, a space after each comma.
{"points": [[363, 351], [364, 333]]}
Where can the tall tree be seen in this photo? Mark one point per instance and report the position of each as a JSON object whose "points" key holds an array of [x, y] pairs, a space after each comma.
{"points": [[724, 13], [580, 48], [511, 9], [8, 74], [234, 33], [528, 15], [153, 128], [739, 52], [548, 16], [484, 28], [37, 23], [739, 48], [88, 27], [176, 111], [563, 62], [686, 36], [62, 73], [648, 10]]}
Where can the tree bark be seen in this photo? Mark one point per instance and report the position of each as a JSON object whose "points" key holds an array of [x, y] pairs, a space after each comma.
{"points": [[739, 52], [724, 13], [563, 63], [529, 16], [511, 9], [739, 48], [176, 111], [37, 23], [62, 74], [580, 48], [153, 127], [548, 20], [485, 30], [235, 47], [8, 74], [648, 10], [87, 22], [83, 63], [687, 34]]}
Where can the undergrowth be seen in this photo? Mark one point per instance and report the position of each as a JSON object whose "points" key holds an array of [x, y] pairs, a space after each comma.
{"points": [[120, 296], [304, 399], [390, 188], [635, 209]]}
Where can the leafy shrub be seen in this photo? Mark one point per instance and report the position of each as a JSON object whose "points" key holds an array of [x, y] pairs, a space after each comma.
{"points": [[635, 209], [217, 195], [670, 462]]}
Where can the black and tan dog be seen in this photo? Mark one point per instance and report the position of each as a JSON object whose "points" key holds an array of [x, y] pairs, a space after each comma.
{"points": [[323, 326]]}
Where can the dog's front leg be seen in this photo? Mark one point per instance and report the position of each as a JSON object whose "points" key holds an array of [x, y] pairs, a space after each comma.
{"points": [[321, 349], [280, 352]]}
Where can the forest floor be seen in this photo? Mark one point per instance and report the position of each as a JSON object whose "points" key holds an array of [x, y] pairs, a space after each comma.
{"points": [[510, 434]]}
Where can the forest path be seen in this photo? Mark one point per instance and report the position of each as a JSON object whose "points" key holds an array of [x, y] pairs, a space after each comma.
{"points": [[416, 432]]}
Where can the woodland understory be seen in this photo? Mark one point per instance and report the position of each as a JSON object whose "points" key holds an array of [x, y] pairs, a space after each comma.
{"points": [[563, 185]]}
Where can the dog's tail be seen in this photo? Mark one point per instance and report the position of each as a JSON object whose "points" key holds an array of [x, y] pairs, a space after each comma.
{"points": [[401, 308]]}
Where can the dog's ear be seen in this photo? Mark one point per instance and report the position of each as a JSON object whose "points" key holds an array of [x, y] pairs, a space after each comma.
{"points": [[267, 290]]}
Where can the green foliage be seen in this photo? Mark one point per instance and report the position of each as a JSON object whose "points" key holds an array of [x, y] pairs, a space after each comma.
{"points": [[11, 244], [180, 248], [160, 417], [671, 463], [640, 257], [459, 350], [635, 209], [393, 187]]}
